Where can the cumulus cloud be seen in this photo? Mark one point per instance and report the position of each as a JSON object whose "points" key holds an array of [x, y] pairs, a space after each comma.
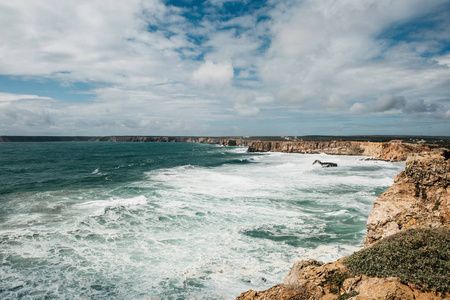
{"points": [[447, 114], [244, 105], [389, 103], [335, 102], [343, 50], [419, 106], [295, 95], [11, 115], [93, 41], [213, 74], [358, 108], [155, 68], [8, 97]]}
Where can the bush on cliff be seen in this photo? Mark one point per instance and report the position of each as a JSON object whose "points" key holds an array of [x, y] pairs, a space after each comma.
{"points": [[418, 256]]}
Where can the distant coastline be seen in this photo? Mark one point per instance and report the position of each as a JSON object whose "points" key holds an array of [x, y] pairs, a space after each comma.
{"points": [[438, 141], [388, 148]]}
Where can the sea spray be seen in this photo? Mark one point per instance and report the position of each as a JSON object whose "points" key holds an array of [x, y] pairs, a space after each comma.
{"points": [[173, 221]]}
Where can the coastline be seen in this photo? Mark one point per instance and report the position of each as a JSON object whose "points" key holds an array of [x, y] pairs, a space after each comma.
{"points": [[419, 199], [420, 174], [390, 151], [247, 205]]}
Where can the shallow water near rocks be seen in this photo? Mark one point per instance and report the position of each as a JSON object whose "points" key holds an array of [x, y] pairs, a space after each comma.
{"points": [[172, 221]]}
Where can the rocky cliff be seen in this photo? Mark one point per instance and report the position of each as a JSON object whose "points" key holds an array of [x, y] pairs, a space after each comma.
{"points": [[314, 280], [380, 151], [419, 198]]}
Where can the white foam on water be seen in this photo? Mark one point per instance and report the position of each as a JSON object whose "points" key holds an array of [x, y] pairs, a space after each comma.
{"points": [[325, 253], [98, 206], [199, 232]]}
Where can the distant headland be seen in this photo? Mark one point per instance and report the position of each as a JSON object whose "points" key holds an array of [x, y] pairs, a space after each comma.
{"points": [[438, 141], [389, 148]]}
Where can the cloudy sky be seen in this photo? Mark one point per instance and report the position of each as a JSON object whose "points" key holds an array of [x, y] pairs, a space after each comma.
{"points": [[224, 67]]}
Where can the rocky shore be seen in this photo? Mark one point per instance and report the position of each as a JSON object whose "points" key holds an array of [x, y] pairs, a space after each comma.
{"points": [[418, 199], [391, 151]]}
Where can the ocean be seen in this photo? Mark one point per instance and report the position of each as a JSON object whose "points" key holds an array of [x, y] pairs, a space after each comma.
{"points": [[173, 220]]}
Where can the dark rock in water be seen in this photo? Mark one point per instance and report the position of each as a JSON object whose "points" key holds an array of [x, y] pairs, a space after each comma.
{"points": [[325, 164]]}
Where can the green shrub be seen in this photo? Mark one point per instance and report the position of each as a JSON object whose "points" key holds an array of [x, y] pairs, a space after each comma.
{"points": [[336, 279], [418, 256]]}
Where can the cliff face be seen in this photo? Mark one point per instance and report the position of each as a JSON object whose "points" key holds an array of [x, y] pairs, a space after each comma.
{"points": [[420, 197], [381, 151]]}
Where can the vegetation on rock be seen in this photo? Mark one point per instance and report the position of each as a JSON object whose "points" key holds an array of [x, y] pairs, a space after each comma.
{"points": [[418, 256]]}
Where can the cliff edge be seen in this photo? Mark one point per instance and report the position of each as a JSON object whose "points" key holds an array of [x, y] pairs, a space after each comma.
{"points": [[407, 223], [419, 197], [380, 151]]}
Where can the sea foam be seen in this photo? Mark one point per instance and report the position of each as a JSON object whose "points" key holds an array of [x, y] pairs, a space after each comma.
{"points": [[189, 228]]}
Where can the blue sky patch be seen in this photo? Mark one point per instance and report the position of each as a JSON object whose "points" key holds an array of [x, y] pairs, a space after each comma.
{"points": [[75, 92]]}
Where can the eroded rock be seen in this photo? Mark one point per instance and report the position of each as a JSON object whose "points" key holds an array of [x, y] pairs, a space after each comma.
{"points": [[379, 151], [419, 197]]}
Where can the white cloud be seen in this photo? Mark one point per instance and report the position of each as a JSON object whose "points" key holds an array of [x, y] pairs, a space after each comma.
{"points": [[291, 94], [152, 69], [213, 74], [358, 108], [447, 114], [8, 97], [335, 102], [392, 103], [389, 102], [322, 50], [93, 41], [419, 106], [244, 104], [246, 110], [444, 60]]}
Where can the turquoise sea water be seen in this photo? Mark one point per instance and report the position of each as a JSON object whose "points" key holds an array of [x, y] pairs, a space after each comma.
{"points": [[172, 221]]}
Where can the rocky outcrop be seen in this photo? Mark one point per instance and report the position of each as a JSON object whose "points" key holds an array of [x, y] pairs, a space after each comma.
{"points": [[306, 280], [419, 197], [379, 151], [314, 280]]}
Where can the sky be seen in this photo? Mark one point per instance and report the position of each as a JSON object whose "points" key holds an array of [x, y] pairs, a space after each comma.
{"points": [[225, 67]]}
